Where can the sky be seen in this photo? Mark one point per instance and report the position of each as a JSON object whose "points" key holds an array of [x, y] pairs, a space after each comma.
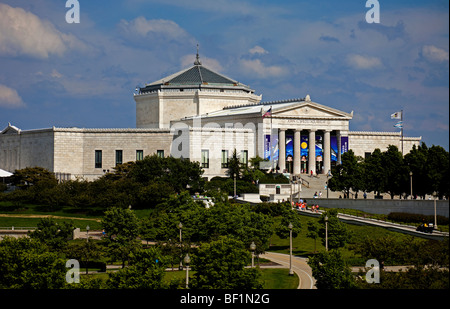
{"points": [[55, 73]]}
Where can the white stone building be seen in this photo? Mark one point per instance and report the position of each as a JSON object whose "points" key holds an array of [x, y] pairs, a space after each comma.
{"points": [[204, 116]]}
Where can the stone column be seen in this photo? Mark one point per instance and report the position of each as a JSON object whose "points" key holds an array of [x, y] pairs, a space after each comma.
{"points": [[282, 150], [326, 151], [297, 156], [338, 139], [312, 152]]}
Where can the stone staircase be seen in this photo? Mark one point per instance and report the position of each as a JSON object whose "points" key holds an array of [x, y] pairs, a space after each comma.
{"points": [[317, 184]]}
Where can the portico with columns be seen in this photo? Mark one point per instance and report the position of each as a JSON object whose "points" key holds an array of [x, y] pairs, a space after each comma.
{"points": [[303, 131]]}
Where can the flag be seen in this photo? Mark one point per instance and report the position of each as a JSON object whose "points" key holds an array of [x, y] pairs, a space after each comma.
{"points": [[399, 124], [396, 115], [268, 113]]}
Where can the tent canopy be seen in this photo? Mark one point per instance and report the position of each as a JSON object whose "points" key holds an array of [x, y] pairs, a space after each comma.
{"points": [[4, 173]]}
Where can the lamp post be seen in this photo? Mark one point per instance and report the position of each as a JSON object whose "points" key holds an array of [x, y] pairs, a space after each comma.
{"points": [[410, 180], [326, 232], [180, 227], [87, 233], [290, 226], [187, 260], [435, 215], [252, 248]]}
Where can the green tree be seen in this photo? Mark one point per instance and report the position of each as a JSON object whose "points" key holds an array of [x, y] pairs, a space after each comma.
{"points": [[31, 176], [313, 232], [416, 160], [373, 173], [338, 234], [234, 166], [26, 263], [122, 228], [438, 170], [221, 264], [55, 235], [396, 172], [288, 216], [145, 271], [348, 175], [330, 271], [84, 252]]}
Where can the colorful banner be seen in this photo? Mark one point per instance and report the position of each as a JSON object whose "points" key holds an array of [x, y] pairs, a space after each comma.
{"points": [[304, 144]]}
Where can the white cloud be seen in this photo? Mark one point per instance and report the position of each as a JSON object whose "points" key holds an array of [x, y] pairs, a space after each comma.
{"points": [[9, 98], [258, 50], [256, 66], [362, 62], [23, 33], [434, 54], [143, 27]]}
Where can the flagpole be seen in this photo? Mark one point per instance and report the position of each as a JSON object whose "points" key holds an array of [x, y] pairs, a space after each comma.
{"points": [[271, 141], [401, 119]]}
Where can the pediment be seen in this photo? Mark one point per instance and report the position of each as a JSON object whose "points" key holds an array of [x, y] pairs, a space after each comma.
{"points": [[310, 110], [10, 129]]}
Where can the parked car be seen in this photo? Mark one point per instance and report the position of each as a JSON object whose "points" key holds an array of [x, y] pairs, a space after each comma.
{"points": [[426, 228]]}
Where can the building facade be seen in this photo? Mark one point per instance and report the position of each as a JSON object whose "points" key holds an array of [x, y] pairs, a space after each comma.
{"points": [[204, 116]]}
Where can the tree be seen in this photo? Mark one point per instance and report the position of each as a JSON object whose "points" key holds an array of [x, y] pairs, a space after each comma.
{"points": [[26, 263], [338, 234], [416, 160], [221, 264], [55, 235], [234, 166], [122, 228], [313, 232], [438, 170], [347, 175], [31, 176], [396, 172], [145, 271], [330, 271], [288, 216], [373, 171]]}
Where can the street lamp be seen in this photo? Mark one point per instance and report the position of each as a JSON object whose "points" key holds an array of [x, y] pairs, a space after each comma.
{"points": [[326, 232], [252, 248], [180, 226], [410, 179], [435, 215], [187, 260], [290, 226], [87, 233]]}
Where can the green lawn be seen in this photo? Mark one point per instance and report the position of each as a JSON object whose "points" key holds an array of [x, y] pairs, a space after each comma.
{"points": [[274, 278]]}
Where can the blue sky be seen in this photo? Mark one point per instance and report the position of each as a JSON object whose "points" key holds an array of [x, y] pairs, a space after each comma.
{"points": [[57, 74]]}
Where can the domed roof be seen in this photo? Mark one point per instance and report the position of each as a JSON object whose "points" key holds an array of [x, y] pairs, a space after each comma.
{"points": [[195, 77]]}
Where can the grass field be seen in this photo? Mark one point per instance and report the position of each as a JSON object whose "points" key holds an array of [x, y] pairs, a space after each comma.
{"points": [[273, 278]]}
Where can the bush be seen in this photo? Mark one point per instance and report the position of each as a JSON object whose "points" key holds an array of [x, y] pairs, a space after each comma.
{"points": [[415, 218]]}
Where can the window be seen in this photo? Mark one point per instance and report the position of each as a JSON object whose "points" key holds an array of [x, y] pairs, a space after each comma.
{"points": [[224, 158], [98, 159], [119, 157], [139, 155], [160, 153], [244, 157], [205, 158]]}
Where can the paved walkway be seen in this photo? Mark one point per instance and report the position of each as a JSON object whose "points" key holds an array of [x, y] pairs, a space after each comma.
{"points": [[299, 266]]}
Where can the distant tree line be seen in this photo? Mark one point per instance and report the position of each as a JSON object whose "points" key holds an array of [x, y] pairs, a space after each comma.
{"points": [[391, 172]]}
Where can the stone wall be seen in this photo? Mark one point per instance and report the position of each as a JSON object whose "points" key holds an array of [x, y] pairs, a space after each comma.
{"points": [[424, 207], [363, 142]]}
